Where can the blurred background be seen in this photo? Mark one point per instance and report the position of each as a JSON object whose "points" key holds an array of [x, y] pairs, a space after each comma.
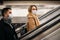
{"points": [[45, 8], [20, 8]]}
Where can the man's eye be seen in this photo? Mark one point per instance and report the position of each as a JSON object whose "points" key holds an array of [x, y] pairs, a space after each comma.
{"points": [[9, 12]]}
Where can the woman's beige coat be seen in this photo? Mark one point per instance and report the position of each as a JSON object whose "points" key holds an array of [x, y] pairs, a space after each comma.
{"points": [[33, 21]]}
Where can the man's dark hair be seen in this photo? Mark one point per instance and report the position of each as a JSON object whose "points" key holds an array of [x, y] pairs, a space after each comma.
{"points": [[4, 10]]}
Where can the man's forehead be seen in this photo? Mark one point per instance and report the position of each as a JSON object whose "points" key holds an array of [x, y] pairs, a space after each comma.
{"points": [[9, 9]]}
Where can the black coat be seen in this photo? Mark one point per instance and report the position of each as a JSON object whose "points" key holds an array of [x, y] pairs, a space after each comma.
{"points": [[6, 32]]}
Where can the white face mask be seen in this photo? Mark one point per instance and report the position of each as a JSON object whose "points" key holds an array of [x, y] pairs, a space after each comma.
{"points": [[34, 11], [10, 16]]}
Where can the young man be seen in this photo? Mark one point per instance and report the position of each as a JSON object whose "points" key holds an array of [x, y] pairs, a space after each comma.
{"points": [[7, 31]]}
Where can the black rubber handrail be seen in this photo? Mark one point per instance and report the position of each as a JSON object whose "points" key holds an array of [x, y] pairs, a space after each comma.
{"points": [[44, 29], [45, 15], [39, 26]]}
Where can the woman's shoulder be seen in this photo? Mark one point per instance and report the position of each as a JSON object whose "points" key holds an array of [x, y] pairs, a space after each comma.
{"points": [[29, 15]]}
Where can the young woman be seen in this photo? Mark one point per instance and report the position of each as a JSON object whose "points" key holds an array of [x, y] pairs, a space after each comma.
{"points": [[33, 20]]}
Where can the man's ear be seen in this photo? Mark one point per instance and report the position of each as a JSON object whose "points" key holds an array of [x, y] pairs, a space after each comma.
{"points": [[5, 14]]}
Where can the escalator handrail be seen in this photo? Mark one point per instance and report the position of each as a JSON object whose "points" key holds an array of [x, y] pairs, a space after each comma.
{"points": [[48, 13], [40, 26]]}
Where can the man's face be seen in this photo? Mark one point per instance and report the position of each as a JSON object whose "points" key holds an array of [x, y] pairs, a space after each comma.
{"points": [[8, 12], [8, 16]]}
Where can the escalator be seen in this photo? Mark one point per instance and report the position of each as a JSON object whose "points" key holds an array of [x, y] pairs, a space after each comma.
{"points": [[41, 30], [41, 18], [53, 20]]}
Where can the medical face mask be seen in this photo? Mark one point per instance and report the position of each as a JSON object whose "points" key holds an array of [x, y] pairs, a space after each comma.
{"points": [[34, 11], [10, 18]]}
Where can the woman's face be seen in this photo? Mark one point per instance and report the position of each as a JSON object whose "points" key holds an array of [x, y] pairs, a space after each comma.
{"points": [[34, 10]]}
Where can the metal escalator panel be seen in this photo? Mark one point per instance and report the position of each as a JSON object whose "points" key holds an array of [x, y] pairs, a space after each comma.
{"points": [[53, 36]]}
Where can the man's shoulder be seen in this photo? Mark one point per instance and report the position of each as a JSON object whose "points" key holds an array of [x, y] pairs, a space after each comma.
{"points": [[2, 22]]}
